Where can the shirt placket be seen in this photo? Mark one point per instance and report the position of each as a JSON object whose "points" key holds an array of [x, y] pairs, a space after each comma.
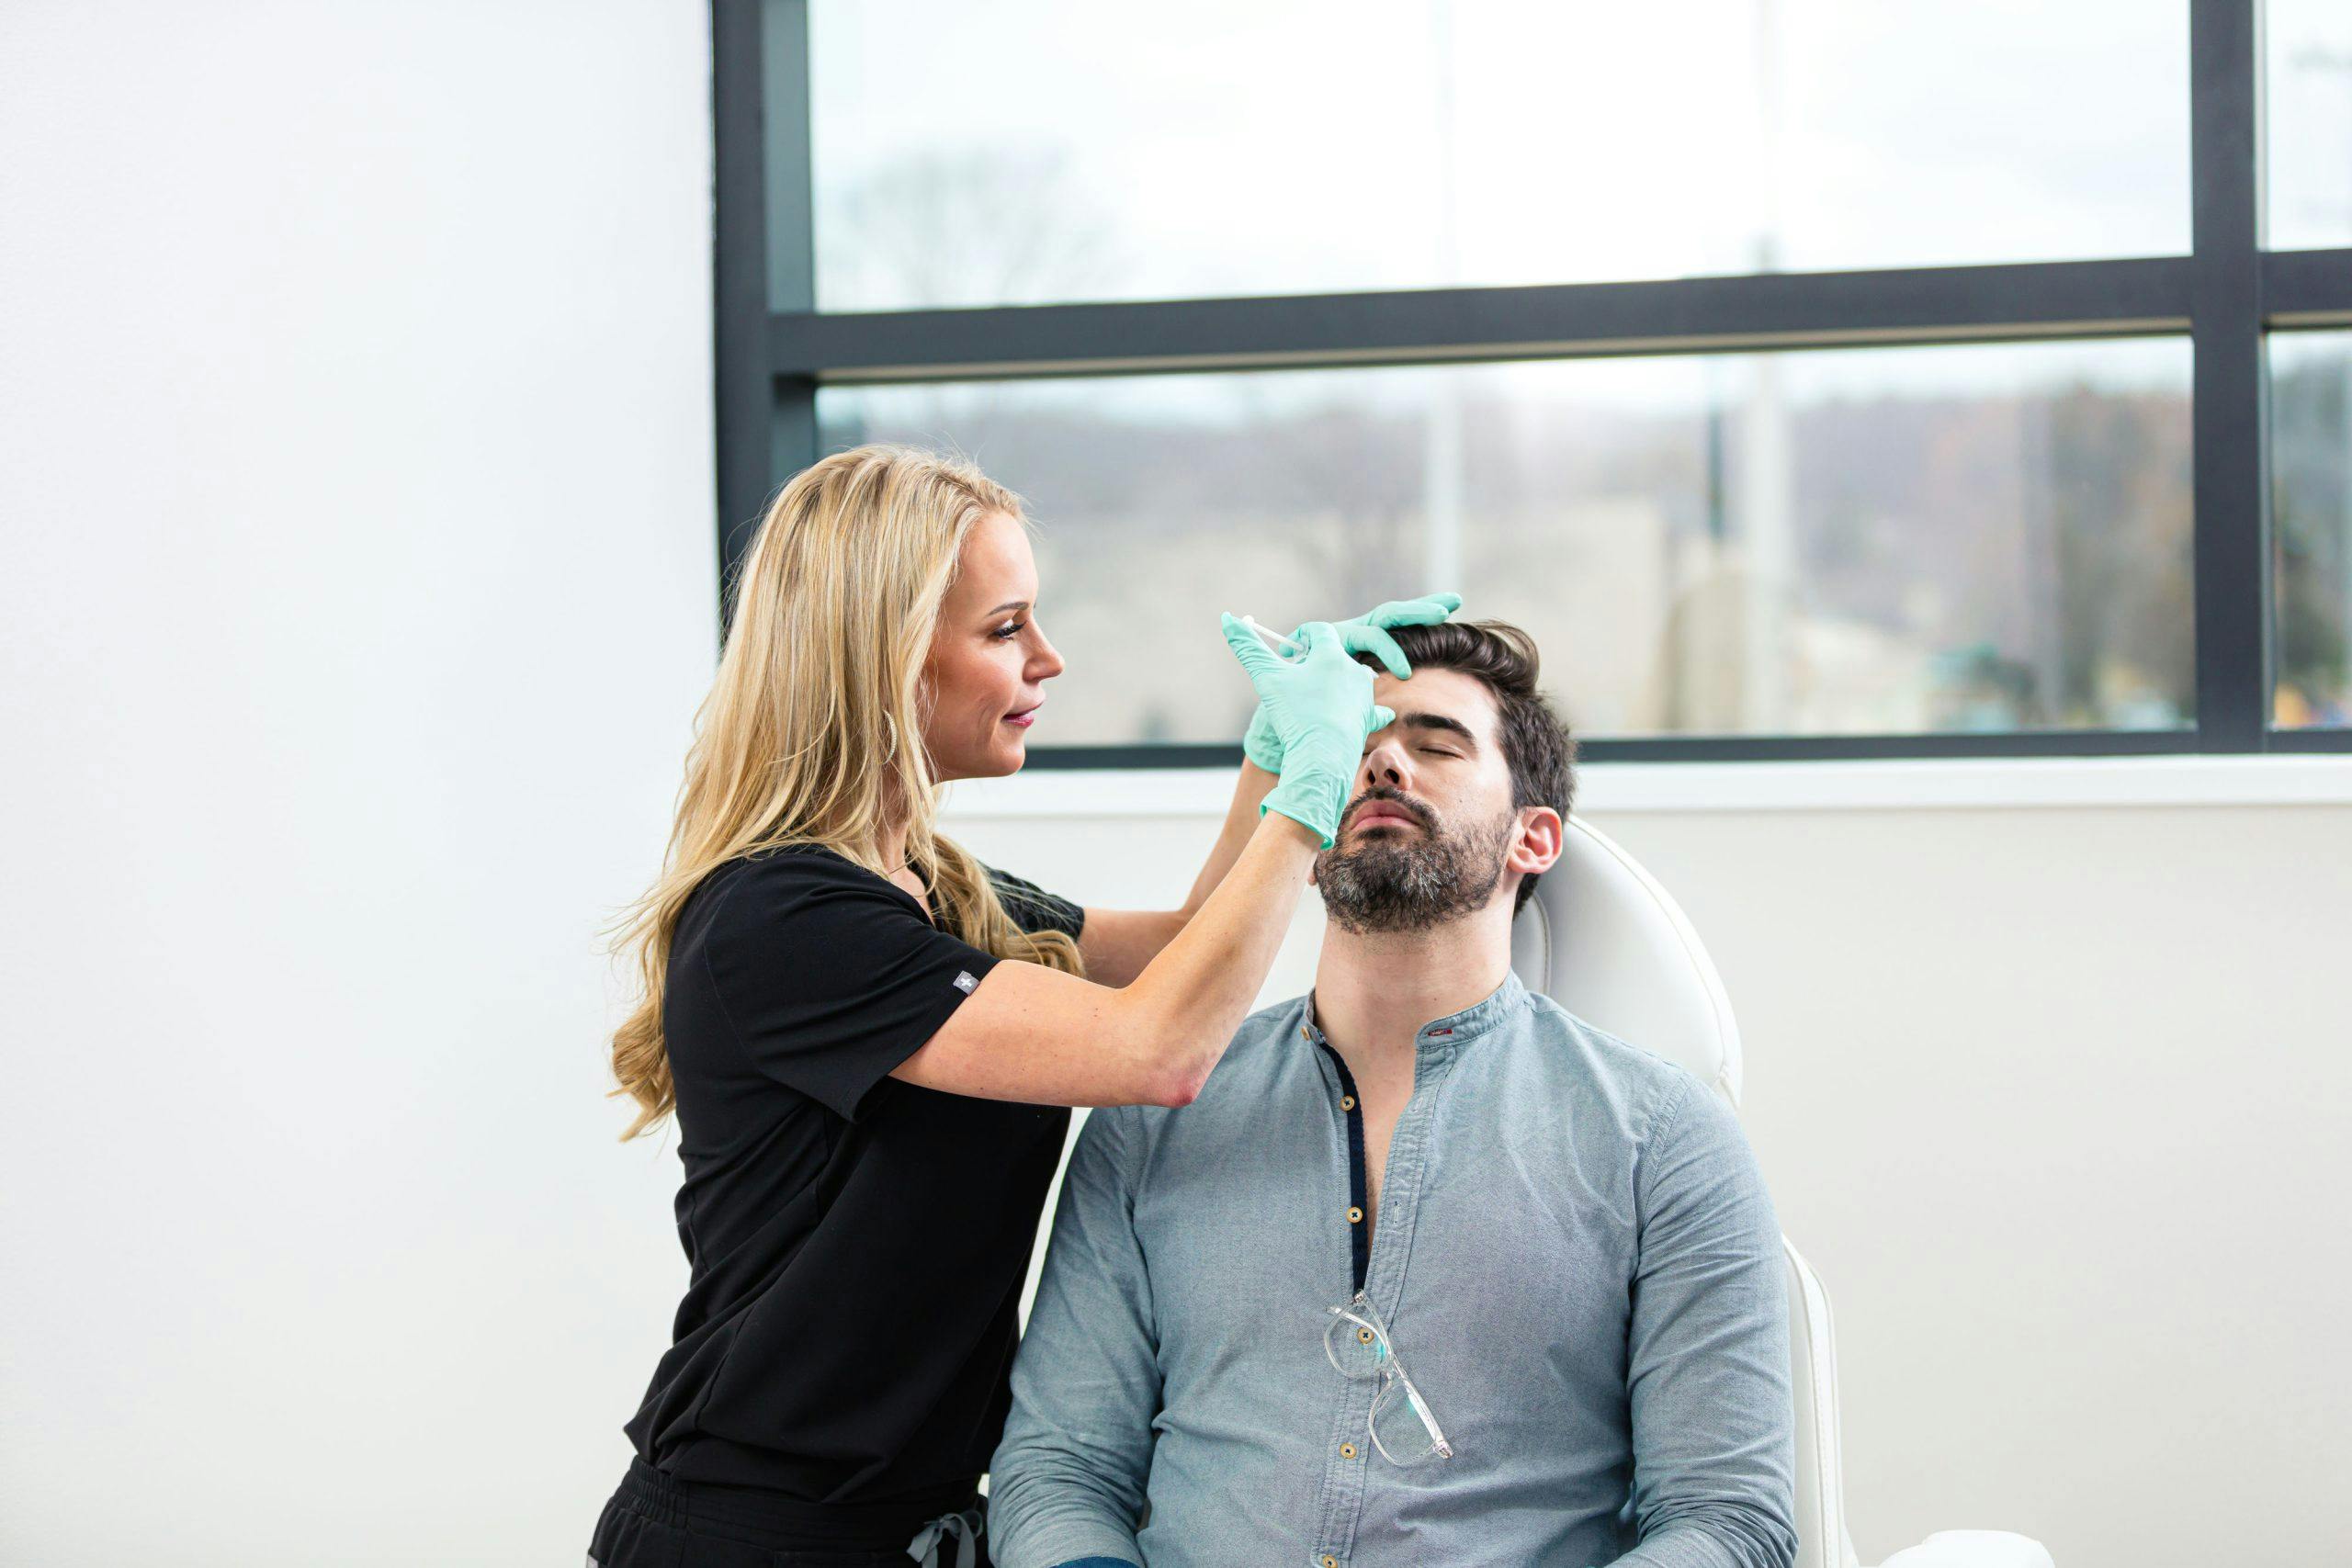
{"points": [[1377, 1268]]}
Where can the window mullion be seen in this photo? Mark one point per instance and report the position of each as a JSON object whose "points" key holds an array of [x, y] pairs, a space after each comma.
{"points": [[2230, 387]]}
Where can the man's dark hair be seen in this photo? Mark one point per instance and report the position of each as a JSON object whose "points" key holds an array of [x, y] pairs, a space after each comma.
{"points": [[1537, 746]]}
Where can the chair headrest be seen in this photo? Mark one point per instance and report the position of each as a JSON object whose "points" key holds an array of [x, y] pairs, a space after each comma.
{"points": [[1603, 940]]}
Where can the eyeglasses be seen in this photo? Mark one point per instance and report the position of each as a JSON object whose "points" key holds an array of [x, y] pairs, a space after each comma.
{"points": [[1400, 1424]]}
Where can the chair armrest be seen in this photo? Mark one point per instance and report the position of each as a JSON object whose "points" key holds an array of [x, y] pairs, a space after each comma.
{"points": [[1973, 1548]]}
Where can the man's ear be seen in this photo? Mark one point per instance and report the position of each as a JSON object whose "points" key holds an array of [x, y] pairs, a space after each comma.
{"points": [[1537, 845]]}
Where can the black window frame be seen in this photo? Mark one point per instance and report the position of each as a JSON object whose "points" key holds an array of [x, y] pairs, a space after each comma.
{"points": [[774, 350]]}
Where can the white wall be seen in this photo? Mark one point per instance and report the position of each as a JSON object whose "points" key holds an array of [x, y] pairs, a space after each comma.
{"points": [[2055, 1100], [355, 475]]}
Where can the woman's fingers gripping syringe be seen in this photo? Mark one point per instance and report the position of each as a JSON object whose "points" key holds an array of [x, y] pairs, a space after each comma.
{"points": [[1320, 708]]}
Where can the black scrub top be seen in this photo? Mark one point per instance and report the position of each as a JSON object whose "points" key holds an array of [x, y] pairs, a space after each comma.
{"points": [[857, 1244]]}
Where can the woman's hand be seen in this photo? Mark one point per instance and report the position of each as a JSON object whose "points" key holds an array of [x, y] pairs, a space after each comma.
{"points": [[1368, 633], [1318, 705]]}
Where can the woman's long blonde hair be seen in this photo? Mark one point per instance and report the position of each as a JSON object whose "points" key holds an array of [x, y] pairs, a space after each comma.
{"points": [[812, 732]]}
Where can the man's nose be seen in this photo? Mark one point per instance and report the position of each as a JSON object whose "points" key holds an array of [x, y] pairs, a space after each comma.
{"points": [[1386, 763]]}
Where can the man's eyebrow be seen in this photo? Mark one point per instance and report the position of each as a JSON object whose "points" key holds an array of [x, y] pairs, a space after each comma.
{"points": [[1439, 721]]}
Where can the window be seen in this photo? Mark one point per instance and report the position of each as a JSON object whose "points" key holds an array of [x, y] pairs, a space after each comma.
{"points": [[1040, 151], [1816, 378], [2310, 455], [2308, 83]]}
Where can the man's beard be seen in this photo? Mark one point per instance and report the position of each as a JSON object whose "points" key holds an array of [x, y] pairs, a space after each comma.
{"points": [[1402, 882]]}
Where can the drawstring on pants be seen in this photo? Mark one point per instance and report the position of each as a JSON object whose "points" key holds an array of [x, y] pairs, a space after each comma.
{"points": [[963, 1526]]}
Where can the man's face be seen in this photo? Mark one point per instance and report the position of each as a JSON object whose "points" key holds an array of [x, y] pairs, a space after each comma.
{"points": [[1430, 830]]}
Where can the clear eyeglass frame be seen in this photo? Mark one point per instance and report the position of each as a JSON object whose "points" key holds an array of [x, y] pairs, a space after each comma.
{"points": [[1372, 1355]]}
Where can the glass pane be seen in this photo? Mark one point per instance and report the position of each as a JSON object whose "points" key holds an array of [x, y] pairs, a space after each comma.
{"points": [[1982, 537], [2311, 467], [1034, 150], [2308, 92]]}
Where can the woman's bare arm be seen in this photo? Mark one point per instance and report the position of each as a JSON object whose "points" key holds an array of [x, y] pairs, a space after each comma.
{"points": [[1037, 1035], [1117, 943]]}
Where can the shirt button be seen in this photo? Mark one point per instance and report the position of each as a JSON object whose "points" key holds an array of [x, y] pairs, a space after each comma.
{"points": [[1347, 1450], [1355, 1216], [1329, 1561], [1303, 1035], [1347, 1102]]}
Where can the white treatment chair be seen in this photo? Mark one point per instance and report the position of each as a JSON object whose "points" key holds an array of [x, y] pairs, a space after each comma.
{"points": [[1603, 940]]}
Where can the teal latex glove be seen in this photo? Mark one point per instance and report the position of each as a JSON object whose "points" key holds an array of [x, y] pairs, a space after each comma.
{"points": [[1368, 633], [1319, 706]]}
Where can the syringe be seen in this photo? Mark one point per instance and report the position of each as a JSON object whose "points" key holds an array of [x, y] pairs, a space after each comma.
{"points": [[1274, 636]]}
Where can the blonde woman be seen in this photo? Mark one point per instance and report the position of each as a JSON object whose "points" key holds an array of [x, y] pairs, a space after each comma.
{"points": [[869, 1039]]}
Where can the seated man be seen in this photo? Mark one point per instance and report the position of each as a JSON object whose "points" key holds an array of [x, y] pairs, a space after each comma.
{"points": [[1432, 1274]]}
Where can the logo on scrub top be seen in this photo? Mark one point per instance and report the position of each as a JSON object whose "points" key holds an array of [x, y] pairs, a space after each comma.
{"points": [[964, 981]]}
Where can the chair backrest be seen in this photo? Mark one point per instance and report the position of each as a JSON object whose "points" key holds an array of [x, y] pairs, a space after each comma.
{"points": [[1604, 940]]}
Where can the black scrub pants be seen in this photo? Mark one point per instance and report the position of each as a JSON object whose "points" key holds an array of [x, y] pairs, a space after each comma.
{"points": [[654, 1522]]}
